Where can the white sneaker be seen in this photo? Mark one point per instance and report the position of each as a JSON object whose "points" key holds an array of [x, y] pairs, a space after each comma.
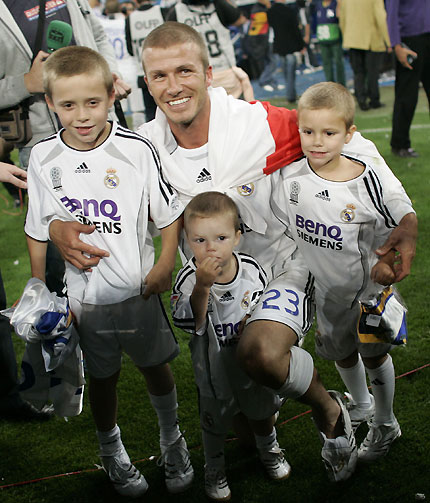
{"points": [[274, 462], [268, 88], [177, 466], [280, 87], [378, 441], [340, 454], [358, 414], [125, 477], [216, 485]]}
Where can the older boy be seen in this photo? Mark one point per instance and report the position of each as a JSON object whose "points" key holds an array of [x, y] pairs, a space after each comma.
{"points": [[334, 207], [83, 173]]}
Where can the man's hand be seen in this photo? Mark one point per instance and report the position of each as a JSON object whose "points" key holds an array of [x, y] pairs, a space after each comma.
{"points": [[122, 89], [158, 280], [207, 272], [9, 174], [403, 240], [383, 274], [402, 54], [65, 236], [33, 80]]}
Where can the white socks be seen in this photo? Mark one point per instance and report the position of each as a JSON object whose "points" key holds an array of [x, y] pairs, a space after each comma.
{"points": [[110, 441], [266, 443], [166, 407], [382, 380], [213, 450], [355, 380]]}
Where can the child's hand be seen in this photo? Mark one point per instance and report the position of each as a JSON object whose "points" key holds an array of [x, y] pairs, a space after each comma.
{"points": [[158, 280], [383, 274], [208, 271]]}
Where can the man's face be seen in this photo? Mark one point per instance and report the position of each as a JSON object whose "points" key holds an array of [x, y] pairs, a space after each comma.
{"points": [[178, 82]]}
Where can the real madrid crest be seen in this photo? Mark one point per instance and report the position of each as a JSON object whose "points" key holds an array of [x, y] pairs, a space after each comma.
{"points": [[245, 302], [55, 175], [246, 190], [348, 214], [111, 180]]}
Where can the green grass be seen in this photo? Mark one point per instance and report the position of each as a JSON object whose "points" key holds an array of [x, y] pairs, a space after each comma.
{"points": [[31, 451]]}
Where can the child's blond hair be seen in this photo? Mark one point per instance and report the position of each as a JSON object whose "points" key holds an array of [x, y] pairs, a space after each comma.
{"points": [[329, 95], [211, 204], [75, 60]]}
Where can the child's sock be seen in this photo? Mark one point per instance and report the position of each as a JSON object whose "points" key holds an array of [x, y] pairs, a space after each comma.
{"points": [[110, 441], [267, 442], [382, 380], [214, 451], [355, 380], [166, 407]]}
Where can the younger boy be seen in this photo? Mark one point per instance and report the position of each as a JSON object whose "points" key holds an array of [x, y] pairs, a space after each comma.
{"points": [[98, 172], [212, 297], [335, 210]]}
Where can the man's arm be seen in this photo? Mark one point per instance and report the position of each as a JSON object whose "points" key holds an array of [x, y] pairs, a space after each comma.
{"points": [[65, 236], [403, 240], [37, 252], [159, 278]]}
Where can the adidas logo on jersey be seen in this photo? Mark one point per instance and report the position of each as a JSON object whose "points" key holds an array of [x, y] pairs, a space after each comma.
{"points": [[204, 176], [227, 297], [323, 195], [82, 168]]}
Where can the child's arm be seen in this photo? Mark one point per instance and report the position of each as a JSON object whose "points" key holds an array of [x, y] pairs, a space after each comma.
{"points": [[37, 252], [383, 271], [159, 278], [206, 274]]}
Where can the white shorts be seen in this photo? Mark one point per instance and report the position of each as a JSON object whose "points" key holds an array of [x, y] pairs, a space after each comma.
{"points": [[136, 326], [336, 335], [288, 299]]}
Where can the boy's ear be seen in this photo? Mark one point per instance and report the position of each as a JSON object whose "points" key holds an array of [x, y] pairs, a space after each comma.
{"points": [[350, 133], [49, 103], [237, 238], [112, 97]]}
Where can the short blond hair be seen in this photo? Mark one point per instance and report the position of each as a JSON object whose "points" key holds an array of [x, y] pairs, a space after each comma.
{"points": [[173, 33], [75, 60], [329, 95], [211, 204]]}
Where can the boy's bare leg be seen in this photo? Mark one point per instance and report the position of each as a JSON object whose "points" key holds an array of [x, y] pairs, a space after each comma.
{"points": [[103, 401]]}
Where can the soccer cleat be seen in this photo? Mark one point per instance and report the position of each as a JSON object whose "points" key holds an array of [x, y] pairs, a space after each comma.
{"points": [[125, 477], [378, 441], [277, 467], [340, 454], [359, 414], [216, 485], [268, 88], [177, 466]]}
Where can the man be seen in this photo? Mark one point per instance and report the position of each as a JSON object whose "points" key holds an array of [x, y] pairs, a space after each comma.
{"points": [[409, 28], [226, 143]]}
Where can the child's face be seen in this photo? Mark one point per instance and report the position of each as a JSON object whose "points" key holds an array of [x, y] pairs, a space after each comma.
{"points": [[82, 104], [213, 237], [323, 134]]}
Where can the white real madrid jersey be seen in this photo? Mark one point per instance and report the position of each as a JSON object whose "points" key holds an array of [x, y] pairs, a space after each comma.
{"points": [[228, 302], [336, 225], [116, 186], [205, 20]]}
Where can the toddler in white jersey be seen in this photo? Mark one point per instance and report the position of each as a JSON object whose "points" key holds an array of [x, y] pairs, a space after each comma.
{"points": [[101, 174], [212, 297], [334, 208]]}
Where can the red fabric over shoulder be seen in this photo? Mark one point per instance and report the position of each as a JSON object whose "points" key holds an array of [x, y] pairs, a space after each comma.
{"points": [[283, 125]]}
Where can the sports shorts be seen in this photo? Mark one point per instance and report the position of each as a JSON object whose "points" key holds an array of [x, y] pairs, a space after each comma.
{"points": [[137, 327], [336, 336], [288, 299]]}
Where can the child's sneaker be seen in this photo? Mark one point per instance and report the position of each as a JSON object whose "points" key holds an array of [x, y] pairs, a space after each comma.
{"points": [[125, 477], [274, 462], [340, 454], [378, 441], [216, 485], [359, 414], [177, 466]]}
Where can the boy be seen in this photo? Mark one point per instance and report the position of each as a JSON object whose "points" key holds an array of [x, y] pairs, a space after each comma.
{"points": [[335, 209], [98, 172], [212, 297]]}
